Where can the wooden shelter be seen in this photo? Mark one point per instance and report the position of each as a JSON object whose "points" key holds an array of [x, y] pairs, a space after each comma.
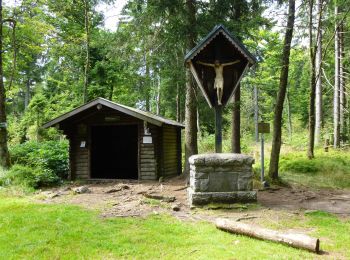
{"points": [[112, 141]]}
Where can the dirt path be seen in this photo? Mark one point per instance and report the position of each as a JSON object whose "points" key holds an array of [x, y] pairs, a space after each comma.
{"points": [[127, 199], [337, 202]]}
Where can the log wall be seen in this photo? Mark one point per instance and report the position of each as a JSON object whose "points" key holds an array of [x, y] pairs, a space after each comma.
{"points": [[170, 151], [148, 166]]}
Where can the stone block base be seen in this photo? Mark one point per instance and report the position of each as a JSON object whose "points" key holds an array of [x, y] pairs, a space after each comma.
{"points": [[221, 178], [204, 198]]}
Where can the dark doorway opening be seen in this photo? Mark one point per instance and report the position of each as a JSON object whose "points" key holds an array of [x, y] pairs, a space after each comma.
{"points": [[114, 152]]}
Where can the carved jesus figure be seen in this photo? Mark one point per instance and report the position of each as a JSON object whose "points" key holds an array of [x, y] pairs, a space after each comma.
{"points": [[219, 76]]}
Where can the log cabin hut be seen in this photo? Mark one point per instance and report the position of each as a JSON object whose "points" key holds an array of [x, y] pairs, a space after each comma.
{"points": [[112, 141]]}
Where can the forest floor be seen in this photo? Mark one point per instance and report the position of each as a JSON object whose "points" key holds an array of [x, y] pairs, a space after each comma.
{"points": [[127, 198]]}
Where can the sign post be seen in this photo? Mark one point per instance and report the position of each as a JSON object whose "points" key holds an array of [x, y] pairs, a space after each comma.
{"points": [[263, 128]]}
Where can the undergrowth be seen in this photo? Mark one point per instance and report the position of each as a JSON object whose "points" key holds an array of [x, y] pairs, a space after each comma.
{"points": [[327, 170]]}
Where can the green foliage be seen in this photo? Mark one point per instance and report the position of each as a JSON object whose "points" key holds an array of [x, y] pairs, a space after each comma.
{"points": [[300, 165], [206, 143], [3, 174], [52, 156], [28, 177], [328, 170]]}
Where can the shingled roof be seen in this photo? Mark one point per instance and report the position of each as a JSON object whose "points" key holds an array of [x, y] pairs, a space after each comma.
{"points": [[232, 39], [137, 113]]}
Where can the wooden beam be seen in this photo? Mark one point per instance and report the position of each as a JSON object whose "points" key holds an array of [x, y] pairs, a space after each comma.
{"points": [[237, 82], [199, 82]]}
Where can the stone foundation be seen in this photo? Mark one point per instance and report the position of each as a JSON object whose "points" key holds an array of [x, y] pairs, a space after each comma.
{"points": [[221, 178]]}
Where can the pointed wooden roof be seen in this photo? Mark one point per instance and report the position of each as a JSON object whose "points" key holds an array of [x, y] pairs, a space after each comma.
{"points": [[232, 39]]}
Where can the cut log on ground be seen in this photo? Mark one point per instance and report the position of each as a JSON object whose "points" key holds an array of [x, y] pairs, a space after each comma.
{"points": [[295, 240]]}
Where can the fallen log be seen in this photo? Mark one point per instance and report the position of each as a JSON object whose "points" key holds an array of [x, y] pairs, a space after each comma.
{"points": [[292, 239], [159, 197]]}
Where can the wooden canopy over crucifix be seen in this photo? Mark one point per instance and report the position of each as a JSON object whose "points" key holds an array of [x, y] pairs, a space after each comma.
{"points": [[218, 64], [219, 61]]}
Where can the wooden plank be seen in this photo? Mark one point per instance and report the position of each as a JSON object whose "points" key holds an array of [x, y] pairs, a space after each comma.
{"points": [[148, 174], [147, 156], [199, 82], [147, 148], [147, 153], [81, 166], [147, 163], [148, 169], [148, 166]]}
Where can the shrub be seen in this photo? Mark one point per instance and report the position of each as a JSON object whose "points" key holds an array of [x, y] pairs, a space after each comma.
{"points": [[3, 173], [50, 156], [20, 175], [300, 165]]}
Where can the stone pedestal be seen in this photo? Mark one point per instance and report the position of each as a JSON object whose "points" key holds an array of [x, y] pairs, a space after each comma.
{"points": [[221, 178]]}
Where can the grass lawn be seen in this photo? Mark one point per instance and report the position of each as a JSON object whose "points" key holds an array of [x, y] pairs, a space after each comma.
{"points": [[36, 231]]}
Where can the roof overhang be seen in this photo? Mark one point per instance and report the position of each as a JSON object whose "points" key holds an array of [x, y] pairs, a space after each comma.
{"points": [[139, 114], [230, 37]]}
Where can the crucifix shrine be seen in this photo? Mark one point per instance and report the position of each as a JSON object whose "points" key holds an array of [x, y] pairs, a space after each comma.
{"points": [[218, 64]]}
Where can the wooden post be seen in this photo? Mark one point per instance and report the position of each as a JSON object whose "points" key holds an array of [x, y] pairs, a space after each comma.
{"points": [[218, 129], [326, 145]]}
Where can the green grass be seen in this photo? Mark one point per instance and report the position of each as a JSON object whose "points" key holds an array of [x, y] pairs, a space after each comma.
{"points": [[334, 233], [327, 170], [37, 231]]}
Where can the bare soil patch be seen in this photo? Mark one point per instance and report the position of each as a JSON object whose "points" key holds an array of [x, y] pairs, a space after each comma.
{"points": [[129, 198]]}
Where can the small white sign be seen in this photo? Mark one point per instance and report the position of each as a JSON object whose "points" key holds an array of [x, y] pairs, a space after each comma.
{"points": [[147, 139], [82, 144]]}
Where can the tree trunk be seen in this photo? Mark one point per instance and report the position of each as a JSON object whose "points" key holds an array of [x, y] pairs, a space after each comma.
{"points": [[178, 103], [336, 108], [147, 84], [256, 112], [87, 51], [290, 239], [289, 115], [111, 90], [191, 147], [318, 106], [158, 97], [310, 151], [341, 82], [277, 123], [27, 93], [4, 153], [236, 121]]}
